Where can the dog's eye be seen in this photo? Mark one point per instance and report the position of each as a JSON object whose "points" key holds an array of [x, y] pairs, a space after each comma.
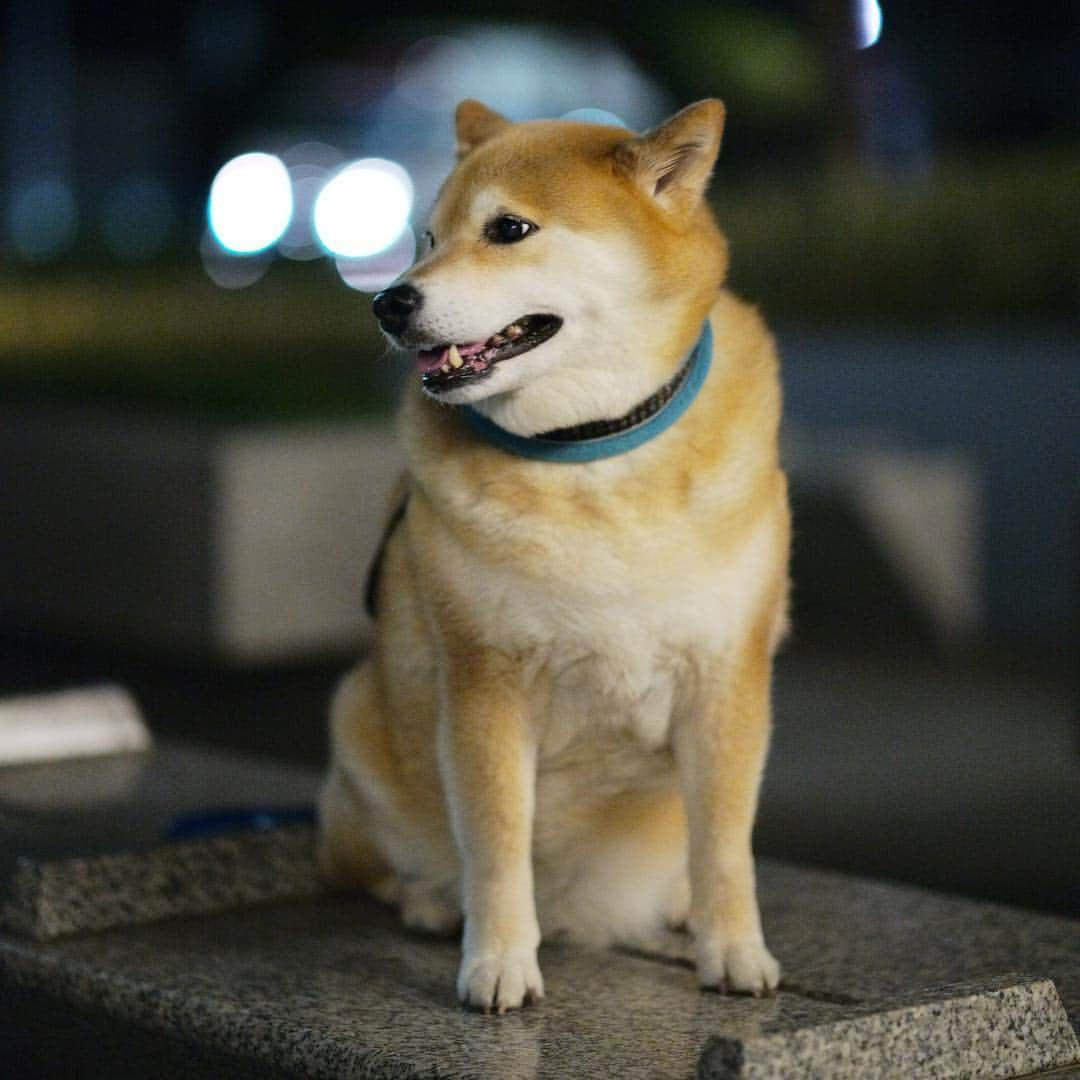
{"points": [[429, 240], [508, 229]]}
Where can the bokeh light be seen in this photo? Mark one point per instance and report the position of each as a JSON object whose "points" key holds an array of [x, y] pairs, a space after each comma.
{"points": [[230, 270], [250, 203], [437, 70], [309, 164], [595, 116], [138, 217], [525, 72], [378, 271], [868, 23], [311, 152], [298, 241], [364, 208], [42, 219]]}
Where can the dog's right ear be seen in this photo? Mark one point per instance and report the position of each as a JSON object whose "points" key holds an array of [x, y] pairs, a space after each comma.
{"points": [[475, 123], [672, 163]]}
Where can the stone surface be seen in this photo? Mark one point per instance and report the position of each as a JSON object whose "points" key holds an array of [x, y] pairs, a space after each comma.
{"points": [[117, 813], [47, 900], [131, 802], [1002, 1028], [333, 987], [879, 980]]}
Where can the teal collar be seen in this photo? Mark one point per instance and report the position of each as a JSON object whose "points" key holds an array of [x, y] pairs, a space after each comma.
{"points": [[607, 438]]}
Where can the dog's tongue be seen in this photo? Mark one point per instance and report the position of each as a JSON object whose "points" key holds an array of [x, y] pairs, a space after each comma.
{"points": [[429, 360]]}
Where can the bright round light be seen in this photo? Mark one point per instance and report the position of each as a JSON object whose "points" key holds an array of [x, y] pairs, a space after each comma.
{"points": [[375, 272], [364, 208], [250, 203], [868, 23]]}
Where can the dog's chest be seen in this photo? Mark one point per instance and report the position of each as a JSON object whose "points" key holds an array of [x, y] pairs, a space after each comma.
{"points": [[607, 622], [609, 662], [616, 679]]}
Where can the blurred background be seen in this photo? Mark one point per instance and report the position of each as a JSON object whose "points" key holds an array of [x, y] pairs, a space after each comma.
{"points": [[197, 200]]}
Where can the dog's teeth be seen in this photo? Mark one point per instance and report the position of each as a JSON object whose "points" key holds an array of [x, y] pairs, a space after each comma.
{"points": [[445, 369], [455, 357], [514, 331], [498, 339]]}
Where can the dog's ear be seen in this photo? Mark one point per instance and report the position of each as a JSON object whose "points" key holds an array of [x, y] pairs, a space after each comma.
{"points": [[475, 123], [673, 162]]}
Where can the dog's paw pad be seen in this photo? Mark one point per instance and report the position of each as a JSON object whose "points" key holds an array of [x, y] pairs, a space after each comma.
{"points": [[501, 982], [743, 967]]}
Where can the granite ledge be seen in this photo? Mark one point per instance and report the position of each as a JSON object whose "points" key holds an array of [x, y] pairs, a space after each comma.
{"points": [[1009, 1027], [48, 899], [332, 987], [329, 986]]}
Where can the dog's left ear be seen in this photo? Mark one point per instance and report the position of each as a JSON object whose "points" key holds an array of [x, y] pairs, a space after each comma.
{"points": [[673, 162], [475, 123]]}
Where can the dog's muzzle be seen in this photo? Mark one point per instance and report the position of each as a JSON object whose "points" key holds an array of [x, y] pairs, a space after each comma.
{"points": [[394, 307]]}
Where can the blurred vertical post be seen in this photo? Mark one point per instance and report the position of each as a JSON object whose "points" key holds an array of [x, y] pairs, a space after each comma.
{"points": [[39, 126]]}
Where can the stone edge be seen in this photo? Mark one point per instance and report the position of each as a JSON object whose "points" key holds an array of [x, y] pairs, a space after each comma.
{"points": [[1006, 1027], [50, 899]]}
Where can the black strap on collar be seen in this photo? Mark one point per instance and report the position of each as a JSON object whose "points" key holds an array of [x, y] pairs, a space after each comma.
{"points": [[644, 410]]}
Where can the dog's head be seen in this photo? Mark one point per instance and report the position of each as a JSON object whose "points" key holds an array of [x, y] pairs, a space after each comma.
{"points": [[565, 262]]}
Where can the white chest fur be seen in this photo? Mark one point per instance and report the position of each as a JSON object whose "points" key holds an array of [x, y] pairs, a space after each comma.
{"points": [[607, 640], [616, 679]]}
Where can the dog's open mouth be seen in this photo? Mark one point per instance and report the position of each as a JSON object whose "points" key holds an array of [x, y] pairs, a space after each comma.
{"points": [[448, 366]]}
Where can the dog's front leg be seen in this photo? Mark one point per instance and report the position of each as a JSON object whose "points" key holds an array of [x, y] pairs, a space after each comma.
{"points": [[720, 745], [489, 766]]}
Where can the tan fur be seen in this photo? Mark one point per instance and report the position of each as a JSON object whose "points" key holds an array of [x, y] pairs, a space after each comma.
{"points": [[564, 720]]}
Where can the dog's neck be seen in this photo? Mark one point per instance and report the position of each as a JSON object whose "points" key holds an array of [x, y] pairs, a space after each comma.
{"points": [[605, 384], [608, 437]]}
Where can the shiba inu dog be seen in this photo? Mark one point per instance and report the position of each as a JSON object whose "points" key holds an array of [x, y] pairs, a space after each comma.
{"points": [[562, 725]]}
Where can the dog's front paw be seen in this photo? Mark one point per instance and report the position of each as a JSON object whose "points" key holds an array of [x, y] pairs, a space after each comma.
{"points": [[745, 967], [495, 982]]}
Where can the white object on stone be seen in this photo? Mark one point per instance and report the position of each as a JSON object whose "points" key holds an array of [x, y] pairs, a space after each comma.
{"points": [[85, 722]]}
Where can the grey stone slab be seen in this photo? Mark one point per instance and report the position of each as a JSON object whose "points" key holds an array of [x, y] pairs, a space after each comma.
{"points": [[870, 939], [118, 811], [343, 992], [333, 987], [880, 980], [1002, 1028], [129, 802], [52, 899]]}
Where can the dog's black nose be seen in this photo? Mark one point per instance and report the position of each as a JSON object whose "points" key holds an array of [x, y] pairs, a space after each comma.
{"points": [[393, 307]]}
